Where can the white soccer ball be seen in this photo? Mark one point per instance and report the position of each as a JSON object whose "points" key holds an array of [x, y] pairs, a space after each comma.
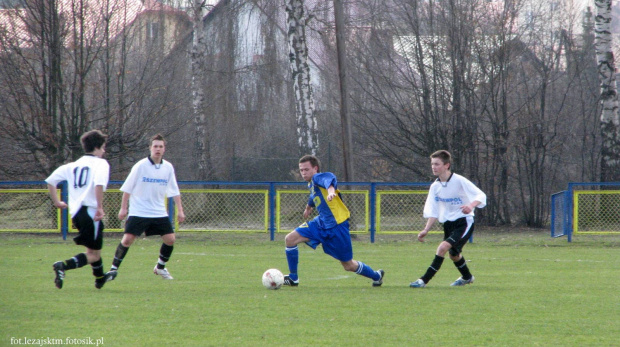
{"points": [[273, 279]]}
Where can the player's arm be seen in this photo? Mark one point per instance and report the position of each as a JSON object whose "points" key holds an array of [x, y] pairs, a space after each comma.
{"points": [[54, 195], [331, 193], [307, 211], [99, 196], [427, 228], [477, 197], [179, 205], [122, 213], [470, 207]]}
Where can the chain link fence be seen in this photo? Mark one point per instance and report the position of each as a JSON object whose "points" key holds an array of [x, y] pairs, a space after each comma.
{"points": [[235, 206], [400, 211], [225, 210], [597, 211], [290, 205], [28, 210]]}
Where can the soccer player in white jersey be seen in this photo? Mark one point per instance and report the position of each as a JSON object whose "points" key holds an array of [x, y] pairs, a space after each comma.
{"points": [[87, 179], [150, 181], [451, 200]]}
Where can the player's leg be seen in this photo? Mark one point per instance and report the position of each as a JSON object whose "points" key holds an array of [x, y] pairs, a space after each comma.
{"points": [[134, 226], [60, 267], [292, 240], [94, 259], [122, 249], [461, 236], [93, 254], [365, 270], [440, 254], [86, 237], [339, 246], [162, 226]]}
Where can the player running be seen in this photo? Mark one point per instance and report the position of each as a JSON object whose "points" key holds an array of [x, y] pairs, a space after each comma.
{"points": [[451, 200], [144, 201], [330, 228], [87, 179]]}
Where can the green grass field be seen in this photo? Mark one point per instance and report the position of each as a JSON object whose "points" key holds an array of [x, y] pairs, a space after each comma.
{"points": [[530, 290]]}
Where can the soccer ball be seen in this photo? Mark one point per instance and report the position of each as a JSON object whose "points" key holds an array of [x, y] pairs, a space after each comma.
{"points": [[273, 279]]}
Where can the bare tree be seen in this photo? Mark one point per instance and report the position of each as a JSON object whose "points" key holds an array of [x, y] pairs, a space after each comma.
{"points": [[496, 85], [610, 161], [300, 70], [201, 146], [69, 66]]}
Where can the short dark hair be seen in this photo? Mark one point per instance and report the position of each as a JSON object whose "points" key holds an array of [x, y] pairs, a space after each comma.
{"points": [[314, 161], [444, 155], [92, 140], [157, 137]]}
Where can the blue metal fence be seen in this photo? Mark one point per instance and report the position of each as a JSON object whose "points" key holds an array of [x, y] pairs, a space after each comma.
{"points": [[272, 187], [563, 207]]}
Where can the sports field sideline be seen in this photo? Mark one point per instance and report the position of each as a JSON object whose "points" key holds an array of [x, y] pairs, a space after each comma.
{"points": [[530, 290]]}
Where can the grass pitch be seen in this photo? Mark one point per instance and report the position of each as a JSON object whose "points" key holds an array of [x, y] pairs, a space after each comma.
{"points": [[530, 290]]}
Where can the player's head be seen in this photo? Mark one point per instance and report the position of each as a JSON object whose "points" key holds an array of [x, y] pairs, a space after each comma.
{"points": [[157, 147], [93, 140], [309, 165], [157, 137], [441, 161]]}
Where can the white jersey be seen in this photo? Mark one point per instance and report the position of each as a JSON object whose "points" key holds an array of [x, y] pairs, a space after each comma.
{"points": [[149, 185], [82, 176], [445, 199]]}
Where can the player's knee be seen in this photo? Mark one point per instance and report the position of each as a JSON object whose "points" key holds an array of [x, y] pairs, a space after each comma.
{"points": [[128, 240], [93, 255], [291, 239], [443, 248], [350, 266], [169, 239]]}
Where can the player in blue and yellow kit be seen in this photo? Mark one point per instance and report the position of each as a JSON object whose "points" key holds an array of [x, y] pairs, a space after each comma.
{"points": [[330, 228]]}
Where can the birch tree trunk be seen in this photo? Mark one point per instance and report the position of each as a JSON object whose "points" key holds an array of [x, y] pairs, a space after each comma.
{"points": [[201, 148], [300, 69], [610, 153]]}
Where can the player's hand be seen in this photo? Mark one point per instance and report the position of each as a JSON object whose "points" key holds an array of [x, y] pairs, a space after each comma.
{"points": [[467, 209], [181, 216], [122, 213], [331, 196], [307, 212], [422, 235], [99, 215], [61, 205]]}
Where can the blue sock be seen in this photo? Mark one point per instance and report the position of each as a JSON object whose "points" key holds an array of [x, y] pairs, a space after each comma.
{"points": [[367, 271], [292, 256]]}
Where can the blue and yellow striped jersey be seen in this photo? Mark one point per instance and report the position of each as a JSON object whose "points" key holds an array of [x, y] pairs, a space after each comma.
{"points": [[331, 213]]}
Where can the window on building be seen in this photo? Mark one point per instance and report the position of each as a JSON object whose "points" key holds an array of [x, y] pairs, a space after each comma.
{"points": [[152, 31]]}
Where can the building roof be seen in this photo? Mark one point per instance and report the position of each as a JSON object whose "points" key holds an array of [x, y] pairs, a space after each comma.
{"points": [[17, 24]]}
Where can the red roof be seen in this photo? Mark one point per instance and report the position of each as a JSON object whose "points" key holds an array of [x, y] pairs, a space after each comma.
{"points": [[14, 23]]}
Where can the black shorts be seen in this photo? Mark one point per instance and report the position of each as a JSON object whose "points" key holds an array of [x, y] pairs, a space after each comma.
{"points": [[149, 226], [90, 233], [457, 233]]}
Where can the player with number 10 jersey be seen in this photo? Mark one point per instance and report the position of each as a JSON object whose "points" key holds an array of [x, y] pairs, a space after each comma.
{"points": [[82, 176]]}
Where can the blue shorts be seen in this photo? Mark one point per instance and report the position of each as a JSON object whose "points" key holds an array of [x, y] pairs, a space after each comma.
{"points": [[336, 241]]}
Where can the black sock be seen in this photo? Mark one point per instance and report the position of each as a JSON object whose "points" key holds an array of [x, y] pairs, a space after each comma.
{"points": [[432, 270], [97, 268], [164, 255], [121, 252], [76, 262], [463, 269]]}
